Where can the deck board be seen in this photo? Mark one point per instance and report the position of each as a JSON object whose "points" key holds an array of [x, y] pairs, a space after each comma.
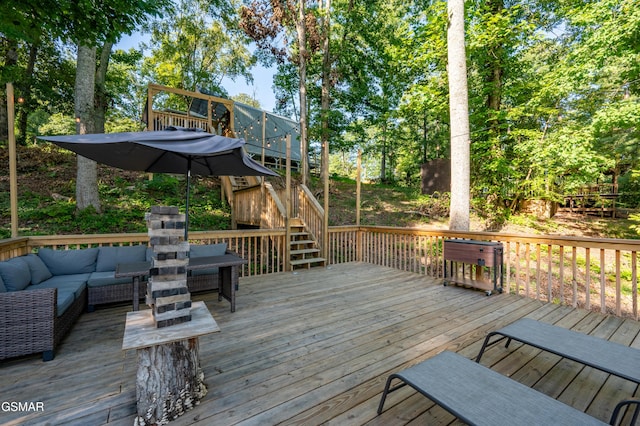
{"points": [[315, 347]]}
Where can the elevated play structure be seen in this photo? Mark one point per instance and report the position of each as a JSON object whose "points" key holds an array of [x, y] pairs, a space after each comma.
{"points": [[273, 141]]}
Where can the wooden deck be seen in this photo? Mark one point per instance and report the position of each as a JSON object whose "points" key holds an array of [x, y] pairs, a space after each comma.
{"points": [[315, 347]]}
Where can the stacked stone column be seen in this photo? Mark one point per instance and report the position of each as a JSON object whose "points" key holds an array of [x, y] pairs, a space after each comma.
{"points": [[167, 292]]}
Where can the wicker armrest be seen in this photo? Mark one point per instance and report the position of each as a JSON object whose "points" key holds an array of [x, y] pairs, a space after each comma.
{"points": [[27, 321]]}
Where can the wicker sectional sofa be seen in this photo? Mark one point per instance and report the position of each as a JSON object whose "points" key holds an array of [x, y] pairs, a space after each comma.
{"points": [[43, 294]]}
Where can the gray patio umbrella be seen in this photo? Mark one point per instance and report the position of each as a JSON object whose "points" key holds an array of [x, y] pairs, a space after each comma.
{"points": [[174, 151]]}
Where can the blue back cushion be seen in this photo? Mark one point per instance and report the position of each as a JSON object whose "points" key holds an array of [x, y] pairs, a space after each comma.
{"points": [[207, 250], [69, 262], [39, 271], [15, 274], [109, 257]]}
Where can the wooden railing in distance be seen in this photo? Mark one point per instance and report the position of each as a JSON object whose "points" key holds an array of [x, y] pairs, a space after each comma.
{"points": [[311, 213], [163, 119], [592, 273]]}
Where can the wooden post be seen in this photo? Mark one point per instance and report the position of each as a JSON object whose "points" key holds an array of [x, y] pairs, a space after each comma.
{"points": [[13, 173], [358, 183], [325, 227], [264, 136], [287, 198]]}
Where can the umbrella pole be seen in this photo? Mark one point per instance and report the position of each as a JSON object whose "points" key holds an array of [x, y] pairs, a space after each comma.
{"points": [[186, 213]]}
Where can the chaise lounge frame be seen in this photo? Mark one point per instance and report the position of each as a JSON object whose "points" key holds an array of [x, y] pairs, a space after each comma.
{"points": [[480, 396], [610, 357]]}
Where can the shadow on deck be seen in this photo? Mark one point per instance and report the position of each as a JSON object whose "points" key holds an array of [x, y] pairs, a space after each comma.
{"points": [[316, 347]]}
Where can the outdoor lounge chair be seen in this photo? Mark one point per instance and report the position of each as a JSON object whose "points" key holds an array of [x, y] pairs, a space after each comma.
{"points": [[610, 357], [478, 395]]}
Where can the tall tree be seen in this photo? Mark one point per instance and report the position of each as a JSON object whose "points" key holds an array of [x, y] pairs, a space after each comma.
{"points": [[107, 23], [459, 111], [87, 173], [325, 102], [301, 30], [265, 21]]}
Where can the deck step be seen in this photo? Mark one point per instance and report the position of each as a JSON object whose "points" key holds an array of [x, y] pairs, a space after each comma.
{"points": [[305, 251], [299, 234], [307, 261], [300, 242]]}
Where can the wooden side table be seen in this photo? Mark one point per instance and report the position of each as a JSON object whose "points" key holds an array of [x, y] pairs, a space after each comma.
{"points": [[169, 380]]}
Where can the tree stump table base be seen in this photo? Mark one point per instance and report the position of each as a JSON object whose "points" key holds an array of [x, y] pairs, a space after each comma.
{"points": [[169, 380], [163, 397]]}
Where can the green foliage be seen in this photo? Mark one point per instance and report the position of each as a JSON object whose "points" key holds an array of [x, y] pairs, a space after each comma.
{"points": [[190, 50], [635, 219], [554, 86], [435, 206], [124, 87], [58, 124]]}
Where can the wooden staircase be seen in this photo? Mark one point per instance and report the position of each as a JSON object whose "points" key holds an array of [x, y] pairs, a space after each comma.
{"points": [[304, 249], [239, 182]]}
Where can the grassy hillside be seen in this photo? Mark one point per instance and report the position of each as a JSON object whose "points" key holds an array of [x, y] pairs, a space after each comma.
{"points": [[46, 188]]}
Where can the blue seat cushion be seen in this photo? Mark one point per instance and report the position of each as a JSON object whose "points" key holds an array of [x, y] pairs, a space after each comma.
{"points": [[75, 283], [3, 289], [65, 299], [15, 274], [99, 279], [69, 262], [109, 257]]}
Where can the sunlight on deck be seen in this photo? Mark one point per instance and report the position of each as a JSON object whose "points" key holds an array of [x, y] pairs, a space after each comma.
{"points": [[316, 347]]}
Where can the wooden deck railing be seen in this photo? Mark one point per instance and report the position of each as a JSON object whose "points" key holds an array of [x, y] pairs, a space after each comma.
{"points": [[273, 214], [311, 213], [593, 273]]}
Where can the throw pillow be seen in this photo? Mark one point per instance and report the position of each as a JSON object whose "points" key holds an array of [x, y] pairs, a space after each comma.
{"points": [[39, 271], [15, 274]]}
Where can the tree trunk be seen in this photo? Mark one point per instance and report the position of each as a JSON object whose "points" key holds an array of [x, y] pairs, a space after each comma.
{"points": [[87, 174], [101, 93], [169, 381], [301, 29], [326, 71], [459, 116], [10, 60], [325, 101], [424, 139], [383, 162], [26, 93], [494, 76]]}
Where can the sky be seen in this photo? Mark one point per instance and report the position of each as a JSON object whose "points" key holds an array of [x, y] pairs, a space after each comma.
{"points": [[262, 77]]}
